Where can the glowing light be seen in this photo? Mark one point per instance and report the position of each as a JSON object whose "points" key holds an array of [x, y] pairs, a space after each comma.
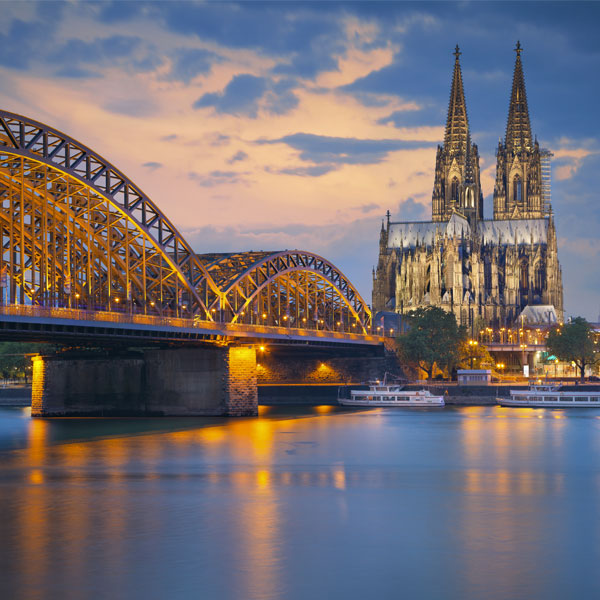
{"points": [[262, 348]]}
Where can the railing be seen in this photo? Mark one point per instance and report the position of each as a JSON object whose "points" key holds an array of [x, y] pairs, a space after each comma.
{"points": [[216, 328]]}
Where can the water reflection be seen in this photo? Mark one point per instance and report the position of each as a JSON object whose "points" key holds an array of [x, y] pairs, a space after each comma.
{"points": [[318, 504]]}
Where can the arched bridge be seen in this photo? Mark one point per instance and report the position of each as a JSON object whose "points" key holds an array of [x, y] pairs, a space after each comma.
{"points": [[81, 242]]}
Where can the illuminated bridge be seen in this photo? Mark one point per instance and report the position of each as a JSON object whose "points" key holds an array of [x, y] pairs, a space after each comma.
{"points": [[86, 255]]}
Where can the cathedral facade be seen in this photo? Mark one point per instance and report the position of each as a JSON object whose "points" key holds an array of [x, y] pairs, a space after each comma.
{"points": [[486, 271]]}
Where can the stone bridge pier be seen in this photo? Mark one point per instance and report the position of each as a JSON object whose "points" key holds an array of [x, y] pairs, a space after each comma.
{"points": [[204, 381]]}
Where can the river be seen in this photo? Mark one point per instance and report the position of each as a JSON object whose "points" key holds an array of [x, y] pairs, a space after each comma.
{"points": [[308, 503]]}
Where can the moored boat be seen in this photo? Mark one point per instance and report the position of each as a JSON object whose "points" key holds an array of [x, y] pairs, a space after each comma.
{"points": [[543, 395], [384, 393]]}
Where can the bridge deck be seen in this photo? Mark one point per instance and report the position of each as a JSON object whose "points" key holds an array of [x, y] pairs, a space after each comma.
{"points": [[62, 324]]}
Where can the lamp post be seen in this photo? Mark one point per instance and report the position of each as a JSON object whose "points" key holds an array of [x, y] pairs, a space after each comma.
{"points": [[472, 344]]}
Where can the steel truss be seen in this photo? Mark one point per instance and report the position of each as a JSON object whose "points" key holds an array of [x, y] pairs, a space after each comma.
{"points": [[77, 233]]}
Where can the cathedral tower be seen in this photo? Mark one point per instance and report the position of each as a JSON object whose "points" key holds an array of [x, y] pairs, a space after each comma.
{"points": [[456, 186], [518, 190]]}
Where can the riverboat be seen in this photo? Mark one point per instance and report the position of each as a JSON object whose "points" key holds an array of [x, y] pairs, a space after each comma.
{"points": [[543, 396], [382, 393]]}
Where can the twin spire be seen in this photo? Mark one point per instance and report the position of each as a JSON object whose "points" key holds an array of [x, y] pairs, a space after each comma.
{"points": [[457, 125], [518, 127]]}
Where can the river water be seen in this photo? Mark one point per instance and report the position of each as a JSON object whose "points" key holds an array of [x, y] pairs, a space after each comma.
{"points": [[308, 503]]}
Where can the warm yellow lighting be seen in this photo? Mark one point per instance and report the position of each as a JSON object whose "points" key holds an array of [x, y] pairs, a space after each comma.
{"points": [[77, 296], [151, 303], [304, 319], [117, 300], [264, 316], [262, 348], [285, 317]]}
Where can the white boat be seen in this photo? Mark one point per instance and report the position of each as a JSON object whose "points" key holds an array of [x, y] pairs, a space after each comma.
{"points": [[543, 395], [382, 393]]}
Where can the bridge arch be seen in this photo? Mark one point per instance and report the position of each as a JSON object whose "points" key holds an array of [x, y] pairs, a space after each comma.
{"points": [[287, 288], [77, 232]]}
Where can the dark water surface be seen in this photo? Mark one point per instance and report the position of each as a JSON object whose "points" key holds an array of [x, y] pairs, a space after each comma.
{"points": [[455, 503]]}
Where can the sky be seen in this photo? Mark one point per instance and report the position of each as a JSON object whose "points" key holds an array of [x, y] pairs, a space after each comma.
{"points": [[281, 125]]}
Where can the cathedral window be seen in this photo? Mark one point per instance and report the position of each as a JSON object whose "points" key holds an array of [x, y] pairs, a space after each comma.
{"points": [[539, 279], [524, 276], [517, 189], [454, 190], [487, 276]]}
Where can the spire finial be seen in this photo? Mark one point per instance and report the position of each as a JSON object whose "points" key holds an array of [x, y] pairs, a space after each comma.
{"points": [[457, 52], [518, 49], [388, 215]]}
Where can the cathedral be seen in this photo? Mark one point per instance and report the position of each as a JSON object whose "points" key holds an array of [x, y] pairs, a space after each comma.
{"points": [[488, 272]]}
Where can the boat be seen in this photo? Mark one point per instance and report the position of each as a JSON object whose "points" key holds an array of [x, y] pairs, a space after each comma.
{"points": [[384, 393], [543, 395]]}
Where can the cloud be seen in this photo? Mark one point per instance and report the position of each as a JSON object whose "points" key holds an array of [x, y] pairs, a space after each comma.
{"points": [[569, 157], [187, 63], [131, 107], [237, 157], [217, 177], [152, 166], [314, 171], [415, 116], [336, 150], [242, 95], [366, 208]]}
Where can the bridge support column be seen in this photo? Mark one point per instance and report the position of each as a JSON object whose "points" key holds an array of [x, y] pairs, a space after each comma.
{"points": [[215, 381]]}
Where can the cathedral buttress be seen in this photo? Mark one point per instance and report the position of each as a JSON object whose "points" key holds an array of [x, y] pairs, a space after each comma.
{"points": [[456, 185]]}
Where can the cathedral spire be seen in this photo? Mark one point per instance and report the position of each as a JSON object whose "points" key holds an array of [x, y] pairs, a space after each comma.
{"points": [[518, 127], [457, 124]]}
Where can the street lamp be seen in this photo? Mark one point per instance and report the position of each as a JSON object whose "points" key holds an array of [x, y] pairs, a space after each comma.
{"points": [[473, 344]]}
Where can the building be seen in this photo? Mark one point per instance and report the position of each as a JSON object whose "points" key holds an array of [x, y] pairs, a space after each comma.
{"points": [[485, 271]]}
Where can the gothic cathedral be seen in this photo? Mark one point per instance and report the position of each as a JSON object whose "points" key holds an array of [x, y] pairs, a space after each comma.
{"points": [[486, 271]]}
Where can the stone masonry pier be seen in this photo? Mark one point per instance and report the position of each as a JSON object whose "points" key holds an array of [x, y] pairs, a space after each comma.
{"points": [[207, 381]]}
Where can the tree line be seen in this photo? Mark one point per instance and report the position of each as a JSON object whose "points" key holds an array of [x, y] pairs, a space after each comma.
{"points": [[434, 341]]}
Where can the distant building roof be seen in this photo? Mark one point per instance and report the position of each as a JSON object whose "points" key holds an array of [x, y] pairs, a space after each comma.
{"points": [[505, 231], [406, 235], [541, 314], [524, 231]]}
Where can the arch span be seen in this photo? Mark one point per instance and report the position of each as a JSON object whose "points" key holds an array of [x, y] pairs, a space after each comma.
{"points": [[77, 232]]}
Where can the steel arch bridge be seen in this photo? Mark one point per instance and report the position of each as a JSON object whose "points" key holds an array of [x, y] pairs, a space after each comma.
{"points": [[77, 233]]}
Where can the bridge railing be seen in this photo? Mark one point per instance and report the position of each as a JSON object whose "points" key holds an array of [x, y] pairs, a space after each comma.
{"points": [[211, 327]]}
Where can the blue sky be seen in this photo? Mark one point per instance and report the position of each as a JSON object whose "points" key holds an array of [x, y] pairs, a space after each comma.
{"points": [[297, 125]]}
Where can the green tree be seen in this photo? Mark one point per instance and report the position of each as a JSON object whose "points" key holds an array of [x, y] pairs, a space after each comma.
{"points": [[15, 358], [474, 355], [574, 342], [433, 338]]}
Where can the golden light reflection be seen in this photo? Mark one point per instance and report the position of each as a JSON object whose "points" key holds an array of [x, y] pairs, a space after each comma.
{"points": [[495, 443], [36, 477]]}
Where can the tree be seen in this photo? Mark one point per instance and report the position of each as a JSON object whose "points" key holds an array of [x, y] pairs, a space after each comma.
{"points": [[15, 358], [433, 338], [474, 355], [574, 342]]}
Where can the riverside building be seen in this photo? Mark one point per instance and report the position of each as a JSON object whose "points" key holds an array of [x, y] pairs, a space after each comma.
{"points": [[486, 271]]}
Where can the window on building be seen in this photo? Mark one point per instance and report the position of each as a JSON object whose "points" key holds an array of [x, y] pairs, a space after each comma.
{"points": [[454, 190], [524, 276], [517, 189]]}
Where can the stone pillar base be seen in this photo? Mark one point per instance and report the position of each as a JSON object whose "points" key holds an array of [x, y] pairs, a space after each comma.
{"points": [[212, 381]]}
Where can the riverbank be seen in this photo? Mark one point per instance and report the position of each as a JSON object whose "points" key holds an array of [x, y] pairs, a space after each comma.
{"points": [[15, 395], [319, 394], [327, 394]]}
